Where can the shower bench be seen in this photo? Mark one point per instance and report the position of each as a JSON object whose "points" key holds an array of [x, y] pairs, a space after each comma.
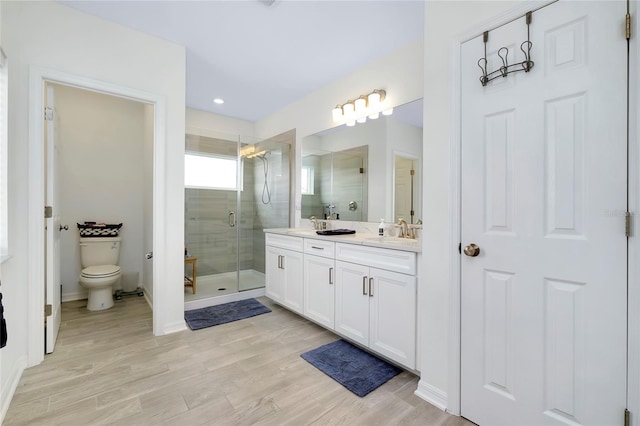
{"points": [[190, 281]]}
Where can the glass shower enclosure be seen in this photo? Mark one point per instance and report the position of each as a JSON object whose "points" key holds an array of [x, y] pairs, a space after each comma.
{"points": [[234, 188]]}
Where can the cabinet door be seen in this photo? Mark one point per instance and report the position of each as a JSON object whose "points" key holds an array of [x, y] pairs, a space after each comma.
{"points": [[393, 316], [352, 301], [275, 276], [291, 264], [319, 289]]}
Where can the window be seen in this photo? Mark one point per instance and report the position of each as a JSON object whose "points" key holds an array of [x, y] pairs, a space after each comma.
{"points": [[307, 181], [208, 171]]}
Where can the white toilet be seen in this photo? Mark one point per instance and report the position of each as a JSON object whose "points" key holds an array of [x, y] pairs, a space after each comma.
{"points": [[99, 258]]}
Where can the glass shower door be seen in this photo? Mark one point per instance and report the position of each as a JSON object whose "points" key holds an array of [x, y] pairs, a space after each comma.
{"points": [[212, 179], [233, 190]]}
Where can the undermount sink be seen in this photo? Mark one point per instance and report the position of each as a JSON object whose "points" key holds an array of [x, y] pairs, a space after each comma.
{"points": [[393, 240], [301, 231]]}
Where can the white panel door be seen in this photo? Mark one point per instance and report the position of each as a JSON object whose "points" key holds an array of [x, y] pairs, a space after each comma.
{"points": [[543, 196], [53, 227], [352, 301], [319, 290]]}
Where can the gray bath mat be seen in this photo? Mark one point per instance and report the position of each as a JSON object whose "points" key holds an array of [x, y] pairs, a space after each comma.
{"points": [[353, 368], [222, 314]]}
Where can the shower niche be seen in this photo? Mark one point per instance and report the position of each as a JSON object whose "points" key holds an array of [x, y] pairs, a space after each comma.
{"points": [[234, 188]]}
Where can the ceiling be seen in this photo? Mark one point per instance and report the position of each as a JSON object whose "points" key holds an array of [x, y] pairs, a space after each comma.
{"points": [[260, 58]]}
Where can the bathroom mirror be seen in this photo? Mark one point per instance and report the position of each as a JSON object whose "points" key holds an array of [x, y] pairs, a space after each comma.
{"points": [[365, 172]]}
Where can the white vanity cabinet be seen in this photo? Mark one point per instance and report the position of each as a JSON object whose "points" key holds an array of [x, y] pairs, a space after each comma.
{"points": [[319, 281], [365, 293], [283, 268], [377, 307]]}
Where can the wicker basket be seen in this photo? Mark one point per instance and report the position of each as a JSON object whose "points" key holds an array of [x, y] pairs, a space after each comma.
{"points": [[89, 229]]}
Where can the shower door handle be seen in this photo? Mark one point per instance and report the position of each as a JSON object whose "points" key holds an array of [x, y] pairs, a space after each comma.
{"points": [[232, 219]]}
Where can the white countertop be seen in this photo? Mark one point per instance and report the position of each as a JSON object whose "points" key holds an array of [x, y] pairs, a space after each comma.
{"points": [[365, 239]]}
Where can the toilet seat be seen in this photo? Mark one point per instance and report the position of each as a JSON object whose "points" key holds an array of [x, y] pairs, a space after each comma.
{"points": [[100, 271]]}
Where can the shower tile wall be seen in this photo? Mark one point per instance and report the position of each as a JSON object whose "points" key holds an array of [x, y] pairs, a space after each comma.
{"points": [[276, 213], [208, 235]]}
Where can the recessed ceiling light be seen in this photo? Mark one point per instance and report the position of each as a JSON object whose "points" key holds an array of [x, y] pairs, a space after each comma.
{"points": [[218, 101]]}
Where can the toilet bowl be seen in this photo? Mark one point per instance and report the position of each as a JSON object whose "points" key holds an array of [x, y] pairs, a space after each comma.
{"points": [[99, 258], [99, 280]]}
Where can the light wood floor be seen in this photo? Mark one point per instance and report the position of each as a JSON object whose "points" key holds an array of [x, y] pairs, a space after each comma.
{"points": [[108, 368]]}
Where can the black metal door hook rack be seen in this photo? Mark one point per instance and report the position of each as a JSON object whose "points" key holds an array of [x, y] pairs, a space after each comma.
{"points": [[503, 53]]}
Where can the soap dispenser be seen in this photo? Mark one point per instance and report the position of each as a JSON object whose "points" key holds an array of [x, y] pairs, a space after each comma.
{"points": [[381, 228]]}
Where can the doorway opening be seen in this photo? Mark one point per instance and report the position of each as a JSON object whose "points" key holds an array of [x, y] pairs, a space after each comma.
{"points": [[39, 78], [99, 168]]}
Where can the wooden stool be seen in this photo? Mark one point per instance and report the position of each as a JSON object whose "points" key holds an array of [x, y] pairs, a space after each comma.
{"points": [[191, 281]]}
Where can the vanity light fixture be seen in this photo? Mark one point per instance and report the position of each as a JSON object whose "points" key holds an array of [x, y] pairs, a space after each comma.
{"points": [[358, 110]]}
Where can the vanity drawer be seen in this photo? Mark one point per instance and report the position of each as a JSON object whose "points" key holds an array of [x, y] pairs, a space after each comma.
{"points": [[388, 259], [284, 241], [319, 247]]}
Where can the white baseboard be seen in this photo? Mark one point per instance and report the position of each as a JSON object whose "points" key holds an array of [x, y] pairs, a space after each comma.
{"points": [[219, 300], [432, 395], [174, 327], [147, 296], [70, 297], [10, 385]]}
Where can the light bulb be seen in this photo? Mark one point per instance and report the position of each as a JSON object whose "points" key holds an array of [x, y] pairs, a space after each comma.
{"points": [[337, 113], [351, 123], [374, 99], [348, 109], [362, 119], [374, 116], [387, 111], [361, 104]]}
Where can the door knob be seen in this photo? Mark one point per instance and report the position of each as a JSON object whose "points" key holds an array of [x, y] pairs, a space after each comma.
{"points": [[471, 250], [66, 227], [149, 255]]}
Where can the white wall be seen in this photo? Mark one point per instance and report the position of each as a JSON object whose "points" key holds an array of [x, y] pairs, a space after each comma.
{"points": [[400, 73], [101, 161], [203, 123], [444, 23], [53, 36]]}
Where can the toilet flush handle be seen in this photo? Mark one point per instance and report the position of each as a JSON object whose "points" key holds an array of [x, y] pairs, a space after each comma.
{"points": [[66, 227]]}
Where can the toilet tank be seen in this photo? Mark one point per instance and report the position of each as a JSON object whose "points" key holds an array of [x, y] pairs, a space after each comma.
{"points": [[99, 251]]}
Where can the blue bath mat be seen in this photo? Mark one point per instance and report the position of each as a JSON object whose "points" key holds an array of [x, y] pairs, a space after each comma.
{"points": [[353, 368], [222, 314]]}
